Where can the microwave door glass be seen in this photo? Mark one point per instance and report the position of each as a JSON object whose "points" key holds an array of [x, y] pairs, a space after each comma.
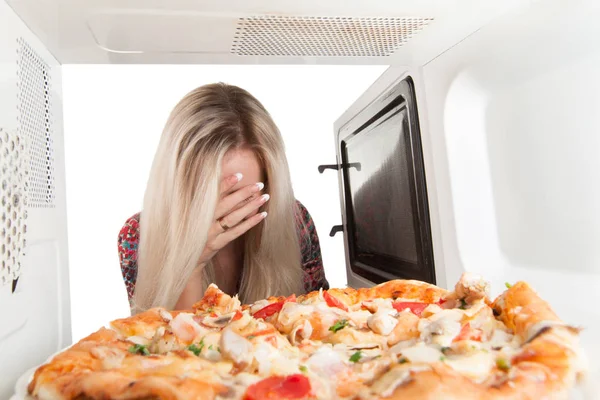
{"points": [[382, 209]]}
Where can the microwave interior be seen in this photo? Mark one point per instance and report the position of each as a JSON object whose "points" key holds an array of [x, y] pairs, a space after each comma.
{"points": [[476, 150]]}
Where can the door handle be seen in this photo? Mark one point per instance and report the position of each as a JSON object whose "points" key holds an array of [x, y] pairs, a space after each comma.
{"points": [[335, 229], [337, 167]]}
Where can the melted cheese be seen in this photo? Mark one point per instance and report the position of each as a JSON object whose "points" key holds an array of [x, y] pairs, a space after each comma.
{"points": [[441, 328], [476, 366], [422, 353]]}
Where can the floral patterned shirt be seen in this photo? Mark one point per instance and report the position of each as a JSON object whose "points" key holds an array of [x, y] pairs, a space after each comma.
{"points": [[314, 274]]}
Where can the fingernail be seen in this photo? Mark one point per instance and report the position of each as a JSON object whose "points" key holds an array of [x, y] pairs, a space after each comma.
{"points": [[265, 197], [238, 176], [260, 185], [264, 214]]}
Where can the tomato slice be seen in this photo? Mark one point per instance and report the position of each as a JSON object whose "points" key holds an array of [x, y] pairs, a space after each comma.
{"points": [[333, 302], [289, 387], [268, 310], [415, 307], [238, 315], [468, 333], [273, 308]]}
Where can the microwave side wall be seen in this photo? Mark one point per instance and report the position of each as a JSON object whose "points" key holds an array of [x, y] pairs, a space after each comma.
{"points": [[509, 126], [34, 295]]}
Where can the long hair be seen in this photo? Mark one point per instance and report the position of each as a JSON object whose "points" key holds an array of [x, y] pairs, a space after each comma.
{"points": [[183, 191]]}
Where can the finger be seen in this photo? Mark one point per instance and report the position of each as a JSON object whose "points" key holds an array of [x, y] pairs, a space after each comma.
{"points": [[235, 217], [228, 183], [244, 202], [229, 202], [239, 230]]}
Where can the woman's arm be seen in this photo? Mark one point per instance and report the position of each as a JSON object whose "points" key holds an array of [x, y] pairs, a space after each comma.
{"points": [[312, 261], [129, 238]]}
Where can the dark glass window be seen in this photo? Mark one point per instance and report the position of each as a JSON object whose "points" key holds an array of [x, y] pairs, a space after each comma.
{"points": [[387, 217]]}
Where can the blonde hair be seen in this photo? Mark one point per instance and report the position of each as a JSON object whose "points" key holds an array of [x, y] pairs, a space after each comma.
{"points": [[183, 191]]}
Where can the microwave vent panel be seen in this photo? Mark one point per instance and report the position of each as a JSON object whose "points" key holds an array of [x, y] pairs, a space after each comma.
{"points": [[36, 122], [13, 212], [324, 36]]}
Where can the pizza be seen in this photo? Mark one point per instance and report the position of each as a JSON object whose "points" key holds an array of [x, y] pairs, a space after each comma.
{"points": [[402, 339]]}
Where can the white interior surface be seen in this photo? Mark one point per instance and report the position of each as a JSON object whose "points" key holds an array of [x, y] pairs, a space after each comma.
{"points": [[36, 317], [111, 139], [202, 32], [513, 125]]}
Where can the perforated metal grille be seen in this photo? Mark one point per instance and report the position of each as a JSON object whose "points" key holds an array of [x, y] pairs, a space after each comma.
{"points": [[324, 36], [14, 170], [36, 122]]}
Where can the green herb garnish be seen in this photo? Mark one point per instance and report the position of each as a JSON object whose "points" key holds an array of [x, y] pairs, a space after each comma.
{"points": [[356, 357], [442, 358], [402, 360], [341, 324], [251, 337], [445, 350], [508, 285], [139, 349], [210, 347], [303, 369], [503, 364], [195, 349], [463, 304]]}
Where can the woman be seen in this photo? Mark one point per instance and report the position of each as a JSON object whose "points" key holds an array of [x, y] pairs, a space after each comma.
{"points": [[220, 161]]}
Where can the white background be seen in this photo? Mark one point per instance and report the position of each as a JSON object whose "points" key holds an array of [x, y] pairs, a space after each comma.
{"points": [[114, 116]]}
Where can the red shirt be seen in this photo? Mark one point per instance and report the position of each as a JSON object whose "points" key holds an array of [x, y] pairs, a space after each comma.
{"points": [[312, 263]]}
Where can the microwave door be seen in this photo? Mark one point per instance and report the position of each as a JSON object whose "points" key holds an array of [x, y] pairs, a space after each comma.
{"points": [[387, 228]]}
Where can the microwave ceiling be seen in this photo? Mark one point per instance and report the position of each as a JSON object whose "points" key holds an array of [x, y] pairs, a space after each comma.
{"points": [[385, 32]]}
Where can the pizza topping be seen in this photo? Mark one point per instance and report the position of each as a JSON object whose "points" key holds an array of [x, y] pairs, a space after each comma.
{"points": [[292, 312], [341, 324], [273, 308], [282, 388], [500, 338], [468, 333], [185, 328], [356, 357], [165, 315], [471, 287], [476, 366], [269, 310], [139, 349], [258, 305], [235, 347], [326, 361], [196, 349], [503, 364], [421, 353], [302, 330], [382, 323], [441, 328], [414, 307], [334, 302], [138, 340], [376, 304], [220, 322], [390, 381]]}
